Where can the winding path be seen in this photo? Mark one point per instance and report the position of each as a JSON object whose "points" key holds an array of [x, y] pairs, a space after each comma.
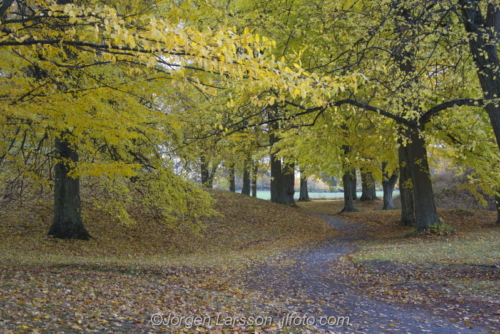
{"points": [[310, 277]]}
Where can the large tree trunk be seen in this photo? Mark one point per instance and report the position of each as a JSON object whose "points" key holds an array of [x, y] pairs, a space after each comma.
{"points": [[354, 185], [388, 184], [67, 222], [255, 171], [425, 207], [483, 44], [406, 188], [246, 176], [232, 179], [289, 184], [304, 192], [368, 187], [348, 197]]}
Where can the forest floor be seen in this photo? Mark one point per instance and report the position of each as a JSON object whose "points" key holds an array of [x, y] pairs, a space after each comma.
{"points": [[256, 268]]}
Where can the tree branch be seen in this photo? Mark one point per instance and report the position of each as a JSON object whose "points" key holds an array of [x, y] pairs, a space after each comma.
{"points": [[426, 117], [399, 119], [5, 6]]}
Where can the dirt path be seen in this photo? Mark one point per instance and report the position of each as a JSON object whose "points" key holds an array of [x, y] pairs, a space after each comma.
{"points": [[310, 286]]}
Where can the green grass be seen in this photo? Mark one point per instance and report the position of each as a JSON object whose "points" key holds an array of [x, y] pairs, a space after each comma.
{"points": [[474, 247]]}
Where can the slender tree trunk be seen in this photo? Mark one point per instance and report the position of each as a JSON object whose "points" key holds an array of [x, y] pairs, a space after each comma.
{"points": [[246, 176], [347, 180], [354, 185], [406, 188], [425, 207], [207, 173], [276, 176], [232, 179], [388, 184], [304, 192], [204, 171], [255, 171], [211, 176], [289, 184], [67, 222], [276, 180], [368, 187]]}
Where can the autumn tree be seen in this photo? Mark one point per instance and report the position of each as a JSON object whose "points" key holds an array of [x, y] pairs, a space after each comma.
{"points": [[77, 68]]}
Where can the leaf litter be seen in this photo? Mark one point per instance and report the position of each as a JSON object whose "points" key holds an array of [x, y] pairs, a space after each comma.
{"points": [[256, 259]]}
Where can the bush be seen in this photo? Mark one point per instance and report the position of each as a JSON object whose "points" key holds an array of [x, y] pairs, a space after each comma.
{"points": [[443, 229]]}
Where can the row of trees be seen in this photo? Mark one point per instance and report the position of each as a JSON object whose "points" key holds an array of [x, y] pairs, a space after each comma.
{"points": [[421, 58], [141, 95]]}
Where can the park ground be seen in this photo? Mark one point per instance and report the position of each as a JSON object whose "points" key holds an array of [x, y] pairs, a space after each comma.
{"points": [[351, 273]]}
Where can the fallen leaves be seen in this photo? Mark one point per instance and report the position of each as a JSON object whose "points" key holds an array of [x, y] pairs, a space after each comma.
{"points": [[47, 285], [117, 280], [246, 228]]}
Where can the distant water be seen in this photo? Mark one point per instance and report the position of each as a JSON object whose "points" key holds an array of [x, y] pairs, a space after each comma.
{"points": [[266, 194]]}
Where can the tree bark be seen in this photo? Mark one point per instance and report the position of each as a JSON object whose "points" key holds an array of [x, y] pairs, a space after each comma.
{"points": [[416, 154], [205, 173], [232, 179], [211, 177], [425, 207], [348, 193], [289, 184], [349, 185], [368, 187], [388, 184], [483, 44], [276, 176], [255, 171], [354, 185], [246, 176], [304, 192], [67, 222], [406, 188], [4, 7]]}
